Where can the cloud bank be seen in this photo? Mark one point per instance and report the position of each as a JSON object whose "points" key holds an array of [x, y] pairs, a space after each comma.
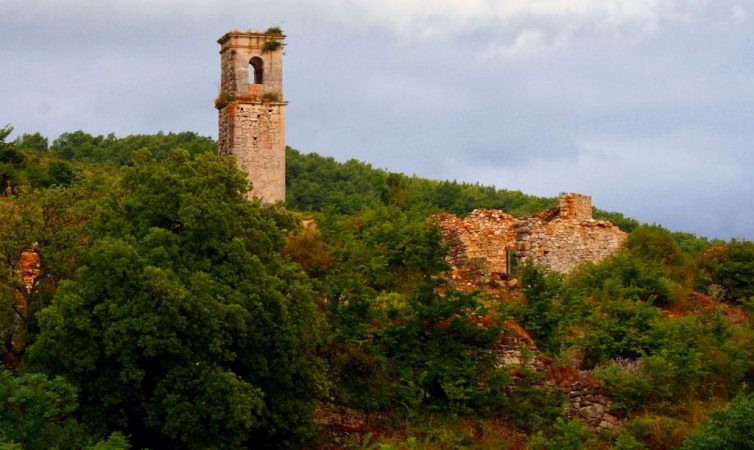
{"points": [[644, 104]]}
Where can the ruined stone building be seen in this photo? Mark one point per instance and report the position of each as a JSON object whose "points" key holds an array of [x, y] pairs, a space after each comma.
{"points": [[559, 238], [251, 109]]}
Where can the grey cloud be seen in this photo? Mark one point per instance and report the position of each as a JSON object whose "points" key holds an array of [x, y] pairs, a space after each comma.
{"points": [[651, 117]]}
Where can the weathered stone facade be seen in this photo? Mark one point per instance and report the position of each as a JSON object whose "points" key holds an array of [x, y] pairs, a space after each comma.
{"points": [[559, 238], [252, 109], [483, 239]]}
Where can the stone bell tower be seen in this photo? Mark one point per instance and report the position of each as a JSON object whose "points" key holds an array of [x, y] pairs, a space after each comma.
{"points": [[252, 109]]}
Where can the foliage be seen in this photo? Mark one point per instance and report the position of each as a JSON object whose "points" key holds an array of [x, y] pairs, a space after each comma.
{"points": [[623, 275], [657, 246], [271, 97], [81, 146], [271, 45], [316, 183], [624, 223], [223, 98], [566, 435], [532, 405], [397, 341], [185, 324], [276, 30], [442, 360], [51, 222], [37, 413], [186, 316], [657, 431], [679, 358], [618, 329], [34, 142], [731, 427], [549, 307], [734, 270], [635, 385]]}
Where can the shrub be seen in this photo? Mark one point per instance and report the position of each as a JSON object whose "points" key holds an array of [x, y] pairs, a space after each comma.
{"points": [[37, 412], [567, 435], [658, 432], [623, 275], [549, 307], [729, 428], [634, 385], [223, 98], [271, 97], [735, 270], [618, 329], [439, 358], [62, 173], [271, 46]]}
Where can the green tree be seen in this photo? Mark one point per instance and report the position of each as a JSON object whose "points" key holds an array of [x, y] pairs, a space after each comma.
{"points": [[735, 270], [37, 413], [185, 325], [729, 428], [34, 142], [62, 173], [550, 307], [440, 359]]}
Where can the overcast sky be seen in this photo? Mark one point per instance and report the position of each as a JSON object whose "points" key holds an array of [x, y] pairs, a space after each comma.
{"points": [[646, 105]]}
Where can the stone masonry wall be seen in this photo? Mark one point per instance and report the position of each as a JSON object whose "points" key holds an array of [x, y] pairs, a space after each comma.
{"points": [[575, 206], [253, 132], [559, 238], [251, 110], [562, 244], [478, 242]]}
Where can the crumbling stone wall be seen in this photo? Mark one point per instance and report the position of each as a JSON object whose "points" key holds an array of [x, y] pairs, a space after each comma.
{"points": [[559, 238], [566, 236], [587, 401], [479, 243], [575, 206]]}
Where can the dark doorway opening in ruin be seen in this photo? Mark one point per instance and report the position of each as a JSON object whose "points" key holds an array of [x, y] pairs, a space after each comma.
{"points": [[511, 262], [257, 70]]}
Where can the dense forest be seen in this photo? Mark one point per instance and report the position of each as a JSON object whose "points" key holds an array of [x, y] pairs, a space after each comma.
{"points": [[167, 311]]}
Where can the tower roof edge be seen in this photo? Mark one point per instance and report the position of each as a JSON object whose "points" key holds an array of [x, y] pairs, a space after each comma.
{"points": [[237, 34]]}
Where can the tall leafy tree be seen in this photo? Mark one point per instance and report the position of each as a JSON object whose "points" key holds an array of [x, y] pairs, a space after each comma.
{"points": [[185, 325]]}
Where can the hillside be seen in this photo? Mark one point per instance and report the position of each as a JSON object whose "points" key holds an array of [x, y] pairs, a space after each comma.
{"points": [[164, 310]]}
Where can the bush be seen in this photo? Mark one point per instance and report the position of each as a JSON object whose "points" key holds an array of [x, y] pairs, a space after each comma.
{"points": [[549, 307], [567, 435], [62, 173], [439, 358], [618, 329], [729, 428], [635, 385], [623, 275], [658, 432], [271, 46], [274, 30], [38, 413], [735, 270]]}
